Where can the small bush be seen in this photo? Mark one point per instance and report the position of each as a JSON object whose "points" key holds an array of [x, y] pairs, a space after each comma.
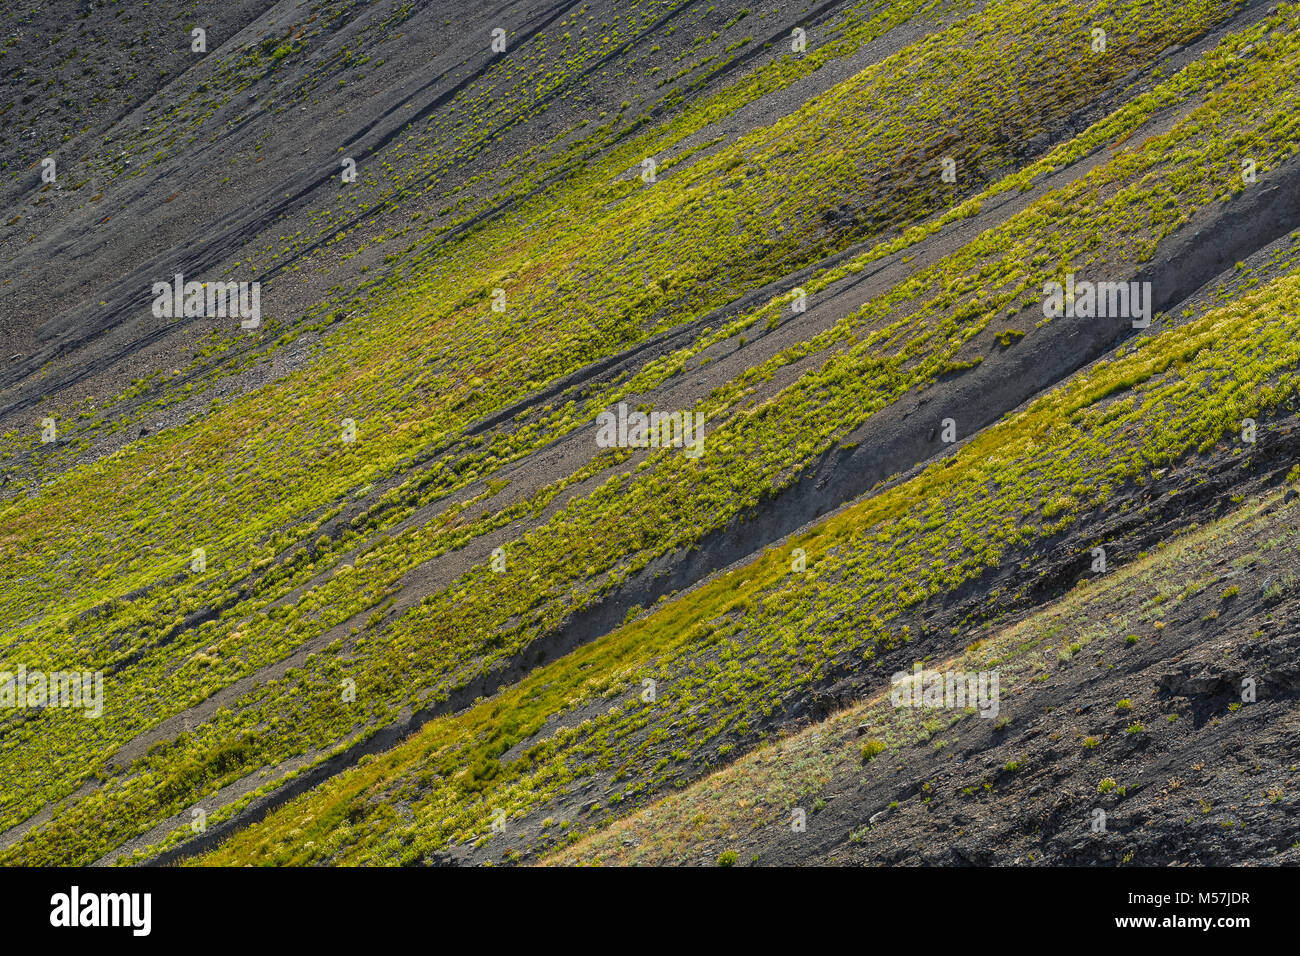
{"points": [[872, 749]]}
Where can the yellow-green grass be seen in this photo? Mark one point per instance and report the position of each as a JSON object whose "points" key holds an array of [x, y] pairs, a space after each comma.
{"points": [[734, 649], [841, 395]]}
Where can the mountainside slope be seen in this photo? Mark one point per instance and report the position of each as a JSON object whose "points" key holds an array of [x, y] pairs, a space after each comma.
{"points": [[366, 582]]}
